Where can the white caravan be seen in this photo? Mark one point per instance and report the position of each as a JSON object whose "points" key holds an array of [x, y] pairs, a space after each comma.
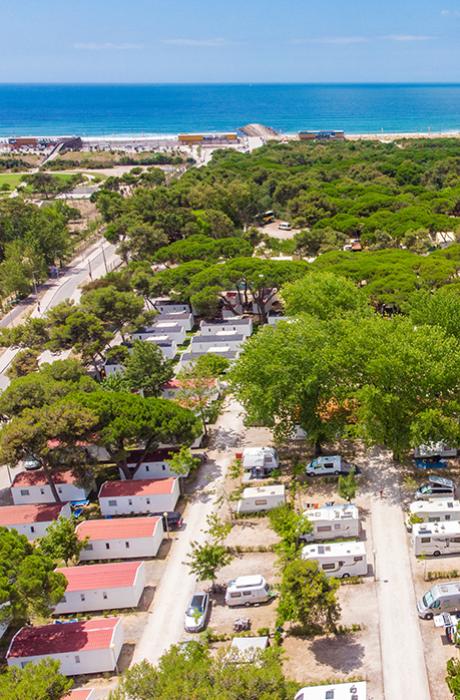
{"points": [[435, 511], [443, 597], [331, 522], [436, 538], [247, 590], [338, 559]]}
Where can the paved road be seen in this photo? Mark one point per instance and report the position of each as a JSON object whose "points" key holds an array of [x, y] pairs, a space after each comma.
{"points": [[165, 624], [404, 670], [91, 264]]}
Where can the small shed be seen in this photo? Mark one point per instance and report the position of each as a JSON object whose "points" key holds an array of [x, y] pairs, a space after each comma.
{"points": [[32, 520], [261, 498], [247, 649], [335, 691], [102, 587], [33, 487], [155, 465], [137, 496], [121, 538], [92, 646]]}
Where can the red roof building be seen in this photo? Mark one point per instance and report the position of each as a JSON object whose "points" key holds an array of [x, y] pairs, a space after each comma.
{"points": [[118, 528], [32, 520], [86, 578], [80, 694], [33, 487], [120, 538], [38, 478], [141, 487]]}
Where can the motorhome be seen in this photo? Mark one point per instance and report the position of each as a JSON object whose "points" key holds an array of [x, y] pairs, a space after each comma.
{"points": [[247, 590], [259, 461], [261, 498], [338, 559], [436, 538], [330, 522], [443, 597], [436, 487], [435, 449], [435, 511], [328, 465]]}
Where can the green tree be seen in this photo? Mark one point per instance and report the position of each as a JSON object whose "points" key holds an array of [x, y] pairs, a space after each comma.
{"points": [[29, 586], [453, 677], [146, 368], [183, 462], [308, 596], [197, 390], [348, 486], [325, 296], [290, 526], [25, 362], [115, 309], [61, 542], [207, 558], [36, 681]]}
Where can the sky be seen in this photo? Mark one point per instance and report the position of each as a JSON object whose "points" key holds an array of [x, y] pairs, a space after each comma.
{"points": [[164, 41]]}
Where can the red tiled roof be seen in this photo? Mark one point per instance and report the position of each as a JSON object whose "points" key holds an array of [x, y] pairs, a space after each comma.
{"points": [[33, 513], [38, 478], [88, 578], [156, 456], [118, 528], [79, 694], [140, 487], [61, 639]]}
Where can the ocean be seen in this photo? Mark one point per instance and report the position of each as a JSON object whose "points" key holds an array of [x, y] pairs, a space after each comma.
{"points": [[105, 110]]}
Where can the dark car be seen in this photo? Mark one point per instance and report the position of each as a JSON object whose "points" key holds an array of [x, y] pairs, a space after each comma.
{"points": [[172, 520]]}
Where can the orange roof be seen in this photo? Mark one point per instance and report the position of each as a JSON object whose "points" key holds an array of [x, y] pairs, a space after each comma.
{"points": [[87, 578], [79, 694], [30, 513], [38, 478], [90, 635], [118, 528], [138, 487]]}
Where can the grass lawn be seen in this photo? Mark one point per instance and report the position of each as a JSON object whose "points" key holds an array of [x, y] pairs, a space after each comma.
{"points": [[10, 179]]}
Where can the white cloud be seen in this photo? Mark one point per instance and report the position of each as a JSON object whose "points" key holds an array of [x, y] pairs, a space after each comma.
{"points": [[333, 40], [215, 42], [106, 46], [450, 13], [408, 37]]}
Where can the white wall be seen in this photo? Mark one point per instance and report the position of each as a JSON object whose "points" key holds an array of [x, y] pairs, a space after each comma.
{"points": [[103, 599], [201, 344], [260, 503], [165, 308], [34, 530], [139, 547], [213, 328], [42, 494], [127, 505], [186, 323], [151, 470]]}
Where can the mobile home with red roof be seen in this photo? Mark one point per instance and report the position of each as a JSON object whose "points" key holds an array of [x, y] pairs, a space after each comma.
{"points": [[81, 694], [121, 538], [102, 587], [155, 465], [32, 520], [138, 496], [32, 487], [92, 646]]}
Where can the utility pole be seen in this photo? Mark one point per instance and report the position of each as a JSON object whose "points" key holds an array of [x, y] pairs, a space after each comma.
{"points": [[105, 261], [89, 269]]}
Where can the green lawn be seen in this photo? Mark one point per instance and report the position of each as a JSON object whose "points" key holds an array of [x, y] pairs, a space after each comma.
{"points": [[10, 179]]}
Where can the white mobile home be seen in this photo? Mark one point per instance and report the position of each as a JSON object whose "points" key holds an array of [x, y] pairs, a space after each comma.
{"points": [[155, 465], [81, 694], [247, 590], [169, 306], [202, 342], [181, 318], [330, 522], [338, 559], [435, 511], [189, 357], [436, 538], [236, 324], [336, 691], [92, 646], [102, 587], [120, 538], [167, 345], [138, 496], [168, 328], [171, 388], [261, 498], [32, 487], [32, 520]]}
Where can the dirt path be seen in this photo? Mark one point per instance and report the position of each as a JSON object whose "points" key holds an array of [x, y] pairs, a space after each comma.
{"points": [[404, 671], [165, 625]]}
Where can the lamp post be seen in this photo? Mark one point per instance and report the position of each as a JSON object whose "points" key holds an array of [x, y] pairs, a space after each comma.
{"points": [[165, 517]]}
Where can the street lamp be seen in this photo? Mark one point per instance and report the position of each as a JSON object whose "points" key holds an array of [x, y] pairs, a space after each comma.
{"points": [[165, 517]]}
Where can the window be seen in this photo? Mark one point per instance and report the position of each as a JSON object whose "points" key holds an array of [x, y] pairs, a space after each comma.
{"points": [[163, 466], [235, 595], [42, 491], [130, 501], [261, 502], [32, 529], [328, 465], [112, 503], [82, 597], [247, 592], [107, 545], [329, 695], [147, 468], [104, 595], [25, 492], [77, 659], [127, 545], [324, 528], [425, 540], [328, 567], [89, 547], [357, 558], [147, 500], [59, 489]]}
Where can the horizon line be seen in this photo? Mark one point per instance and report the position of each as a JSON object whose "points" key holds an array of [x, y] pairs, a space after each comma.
{"points": [[230, 83]]}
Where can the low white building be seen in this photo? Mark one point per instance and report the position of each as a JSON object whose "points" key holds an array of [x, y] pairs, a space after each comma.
{"points": [[102, 587], [138, 496], [32, 520], [165, 305], [231, 339], [120, 538], [236, 324], [336, 691], [155, 465], [32, 487], [167, 345], [188, 358], [261, 498], [330, 522], [182, 318], [91, 646], [171, 388], [172, 330]]}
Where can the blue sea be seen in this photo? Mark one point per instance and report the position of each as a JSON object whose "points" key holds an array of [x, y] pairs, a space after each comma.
{"points": [[97, 110]]}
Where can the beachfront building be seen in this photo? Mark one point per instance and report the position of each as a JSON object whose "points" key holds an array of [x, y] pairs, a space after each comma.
{"points": [[91, 646], [32, 520], [33, 487], [120, 538], [133, 497], [102, 587]]}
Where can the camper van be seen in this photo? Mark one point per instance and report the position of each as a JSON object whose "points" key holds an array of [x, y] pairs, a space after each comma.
{"points": [[436, 538], [338, 559], [435, 511], [330, 522], [435, 487], [247, 590], [443, 597], [435, 449], [328, 465]]}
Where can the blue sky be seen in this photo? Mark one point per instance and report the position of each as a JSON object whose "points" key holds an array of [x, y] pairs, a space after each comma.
{"points": [[232, 41]]}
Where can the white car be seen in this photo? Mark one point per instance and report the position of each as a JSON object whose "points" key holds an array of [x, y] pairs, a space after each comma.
{"points": [[197, 613], [284, 226]]}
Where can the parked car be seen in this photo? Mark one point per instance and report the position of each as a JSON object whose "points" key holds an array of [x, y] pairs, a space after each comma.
{"points": [[172, 520], [284, 226], [196, 614], [330, 464], [30, 463], [436, 487], [431, 463]]}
